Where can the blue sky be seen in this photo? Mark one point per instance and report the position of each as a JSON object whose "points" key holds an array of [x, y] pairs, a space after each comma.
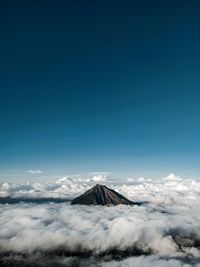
{"points": [[99, 86]]}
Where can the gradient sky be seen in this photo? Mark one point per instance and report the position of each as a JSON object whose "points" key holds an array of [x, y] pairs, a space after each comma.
{"points": [[100, 86]]}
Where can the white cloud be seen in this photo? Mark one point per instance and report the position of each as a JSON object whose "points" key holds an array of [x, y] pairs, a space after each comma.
{"points": [[167, 227], [129, 179], [172, 177], [161, 192], [101, 229], [35, 171], [141, 179], [99, 178]]}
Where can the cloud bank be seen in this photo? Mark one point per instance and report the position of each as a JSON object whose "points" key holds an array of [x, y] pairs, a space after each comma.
{"points": [[163, 232]]}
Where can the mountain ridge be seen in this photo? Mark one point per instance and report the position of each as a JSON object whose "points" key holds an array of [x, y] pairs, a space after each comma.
{"points": [[101, 195]]}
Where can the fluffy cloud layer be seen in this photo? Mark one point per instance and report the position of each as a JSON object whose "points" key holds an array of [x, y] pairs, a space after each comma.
{"points": [[163, 191], [163, 232]]}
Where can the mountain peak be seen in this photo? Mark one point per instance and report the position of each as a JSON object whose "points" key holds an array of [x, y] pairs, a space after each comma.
{"points": [[101, 195], [98, 186]]}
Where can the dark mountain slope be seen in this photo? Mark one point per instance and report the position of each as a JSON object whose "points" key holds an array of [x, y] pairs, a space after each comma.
{"points": [[101, 195]]}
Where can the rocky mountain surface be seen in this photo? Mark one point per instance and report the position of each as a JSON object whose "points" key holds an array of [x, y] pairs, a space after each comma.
{"points": [[101, 195]]}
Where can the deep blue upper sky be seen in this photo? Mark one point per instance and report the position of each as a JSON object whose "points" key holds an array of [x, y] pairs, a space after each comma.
{"points": [[100, 85]]}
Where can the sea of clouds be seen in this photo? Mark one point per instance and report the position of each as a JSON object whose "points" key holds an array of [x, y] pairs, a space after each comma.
{"points": [[164, 231]]}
